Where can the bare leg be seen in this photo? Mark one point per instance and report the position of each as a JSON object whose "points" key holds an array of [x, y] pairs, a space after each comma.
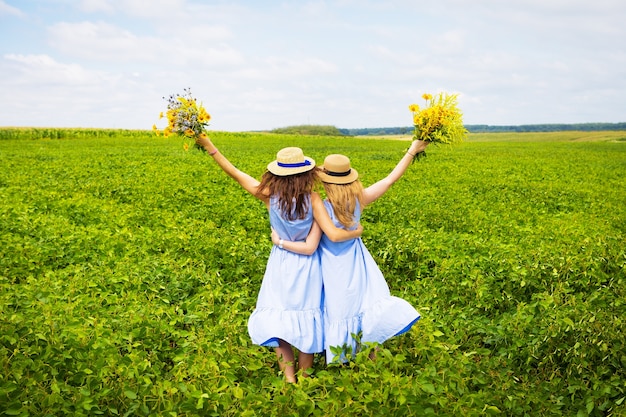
{"points": [[286, 360], [305, 361]]}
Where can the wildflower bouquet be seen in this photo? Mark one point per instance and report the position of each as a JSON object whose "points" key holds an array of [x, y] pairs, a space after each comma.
{"points": [[185, 117], [440, 121]]}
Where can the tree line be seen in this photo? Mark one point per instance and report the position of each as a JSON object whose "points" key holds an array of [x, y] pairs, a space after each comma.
{"points": [[327, 130], [553, 127]]}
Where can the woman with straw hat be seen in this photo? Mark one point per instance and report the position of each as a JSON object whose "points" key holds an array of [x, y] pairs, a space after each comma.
{"points": [[357, 299], [288, 310]]}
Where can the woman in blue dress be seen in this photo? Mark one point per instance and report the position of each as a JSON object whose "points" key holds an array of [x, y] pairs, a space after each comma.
{"points": [[288, 312], [357, 300]]}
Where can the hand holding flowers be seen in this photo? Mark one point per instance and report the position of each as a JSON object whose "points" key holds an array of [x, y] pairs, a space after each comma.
{"points": [[203, 142], [440, 121], [418, 146], [185, 117]]}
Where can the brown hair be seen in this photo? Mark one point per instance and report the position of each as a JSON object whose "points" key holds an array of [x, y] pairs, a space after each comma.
{"points": [[292, 191], [343, 198]]}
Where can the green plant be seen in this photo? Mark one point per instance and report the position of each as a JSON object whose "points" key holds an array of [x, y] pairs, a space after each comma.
{"points": [[129, 269]]}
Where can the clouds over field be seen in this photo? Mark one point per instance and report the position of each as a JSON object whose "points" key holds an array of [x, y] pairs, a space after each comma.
{"points": [[260, 65]]}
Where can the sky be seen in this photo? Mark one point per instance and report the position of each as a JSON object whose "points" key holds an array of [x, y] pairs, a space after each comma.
{"points": [[260, 65]]}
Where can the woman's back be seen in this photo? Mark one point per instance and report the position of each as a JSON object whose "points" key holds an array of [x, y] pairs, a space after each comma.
{"points": [[338, 247], [293, 230]]}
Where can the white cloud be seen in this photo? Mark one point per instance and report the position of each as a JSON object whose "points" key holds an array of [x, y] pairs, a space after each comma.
{"points": [[278, 68], [42, 69], [258, 65], [8, 10], [45, 92], [173, 9], [137, 8], [101, 41], [104, 42], [96, 6]]}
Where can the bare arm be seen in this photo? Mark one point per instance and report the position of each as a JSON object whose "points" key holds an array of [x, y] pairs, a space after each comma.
{"points": [[376, 190], [250, 184], [307, 247], [312, 240], [333, 232]]}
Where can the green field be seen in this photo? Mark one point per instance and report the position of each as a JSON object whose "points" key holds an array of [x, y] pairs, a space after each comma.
{"points": [[129, 268]]}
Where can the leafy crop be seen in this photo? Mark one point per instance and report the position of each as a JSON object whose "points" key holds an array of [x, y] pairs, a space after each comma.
{"points": [[129, 269]]}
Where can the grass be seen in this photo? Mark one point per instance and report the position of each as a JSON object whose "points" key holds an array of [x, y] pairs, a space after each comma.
{"points": [[129, 268]]}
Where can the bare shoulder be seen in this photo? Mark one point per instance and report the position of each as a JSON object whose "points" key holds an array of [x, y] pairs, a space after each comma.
{"points": [[316, 198]]}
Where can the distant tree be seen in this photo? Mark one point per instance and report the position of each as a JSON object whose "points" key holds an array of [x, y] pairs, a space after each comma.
{"points": [[585, 127], [316, 130]]}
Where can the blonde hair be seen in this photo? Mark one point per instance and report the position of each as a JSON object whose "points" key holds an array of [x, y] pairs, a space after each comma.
{"points": [[343, 198]]}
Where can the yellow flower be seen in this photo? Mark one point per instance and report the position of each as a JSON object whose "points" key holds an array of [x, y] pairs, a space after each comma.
{"points": [[186, 146], [185, 116], [203, 116], [440, 121]]}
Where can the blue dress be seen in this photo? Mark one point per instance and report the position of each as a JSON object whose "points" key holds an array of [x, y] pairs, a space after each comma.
{"points": [[289, 305], [357, 297]]}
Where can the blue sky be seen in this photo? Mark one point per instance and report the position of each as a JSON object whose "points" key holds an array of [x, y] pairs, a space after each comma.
{"points": [[258, 65]]}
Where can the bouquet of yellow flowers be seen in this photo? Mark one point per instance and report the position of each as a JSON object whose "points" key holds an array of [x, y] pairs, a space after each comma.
{"points": [[440, 121], [185, 117]]}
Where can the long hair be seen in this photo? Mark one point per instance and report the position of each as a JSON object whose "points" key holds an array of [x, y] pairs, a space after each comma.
{"points": [[292, 191], [343, 198]]}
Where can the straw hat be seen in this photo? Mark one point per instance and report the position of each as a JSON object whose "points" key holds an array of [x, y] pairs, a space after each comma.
{"points": [[290, 161], [336, 170]]}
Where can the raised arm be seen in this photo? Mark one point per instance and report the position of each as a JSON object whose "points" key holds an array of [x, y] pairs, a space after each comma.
{"points": [[376, 190], [333, 232], [250, 184]]}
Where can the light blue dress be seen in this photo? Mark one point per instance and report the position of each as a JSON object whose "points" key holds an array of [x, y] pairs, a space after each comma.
{"points": [[289, 305], [357, 297]]}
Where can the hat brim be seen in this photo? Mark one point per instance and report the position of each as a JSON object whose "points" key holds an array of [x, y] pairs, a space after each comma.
{"points": [[334, 179], [286, 171]]}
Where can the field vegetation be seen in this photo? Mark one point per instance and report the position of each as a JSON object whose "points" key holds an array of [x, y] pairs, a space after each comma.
{"points": [[129, 268]]}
